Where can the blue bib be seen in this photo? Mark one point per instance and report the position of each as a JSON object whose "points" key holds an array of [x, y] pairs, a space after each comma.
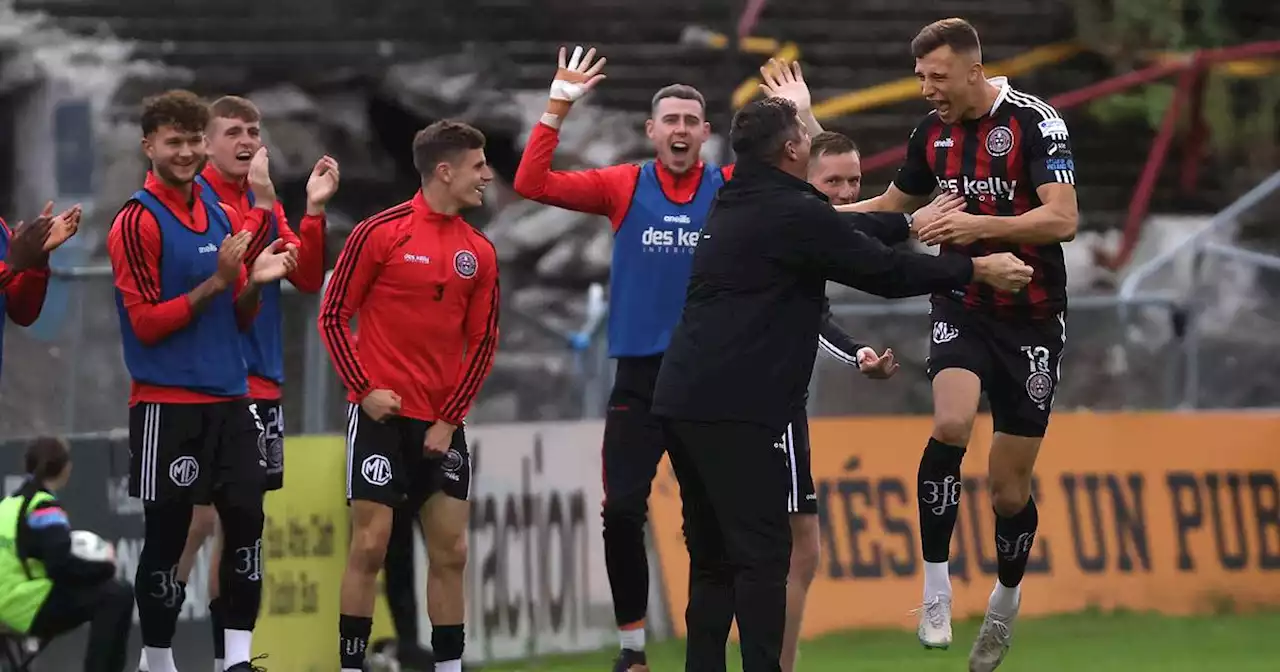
{"points": [[652, 258], [264, 341], [204, 356]]}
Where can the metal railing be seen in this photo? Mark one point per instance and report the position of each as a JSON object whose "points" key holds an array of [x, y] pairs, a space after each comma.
{"points": [[1202, 245]]}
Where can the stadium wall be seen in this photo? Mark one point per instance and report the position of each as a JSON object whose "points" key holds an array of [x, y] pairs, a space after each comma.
{"points": [[1175, 513]]}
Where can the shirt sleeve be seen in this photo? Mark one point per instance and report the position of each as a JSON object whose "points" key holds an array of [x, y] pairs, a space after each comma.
{"points": [[47, 538], [845, 255], [358, 266], [915, 177], [834, 340], [24, 291], [598, 191], [1047, 145], [889, 228], [310, 241], [133, 245], [481, 327], [246, 313]]}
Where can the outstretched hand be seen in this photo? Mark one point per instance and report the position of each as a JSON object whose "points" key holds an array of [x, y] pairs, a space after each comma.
{"points": [[574, 78], [785, 80]]}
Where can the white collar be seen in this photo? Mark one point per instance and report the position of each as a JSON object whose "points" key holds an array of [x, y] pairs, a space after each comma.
{"points": [[1003, 84]]}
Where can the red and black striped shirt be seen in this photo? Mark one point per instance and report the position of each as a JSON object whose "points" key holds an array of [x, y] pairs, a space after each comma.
{"points": [[423, 289], [997, 162]]}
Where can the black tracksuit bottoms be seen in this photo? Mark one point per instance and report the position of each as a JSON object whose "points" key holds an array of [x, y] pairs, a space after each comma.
{"points": [[733, 483]]}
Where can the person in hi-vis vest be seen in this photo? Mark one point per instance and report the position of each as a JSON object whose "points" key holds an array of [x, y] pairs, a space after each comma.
{"points": [[49, 585]]}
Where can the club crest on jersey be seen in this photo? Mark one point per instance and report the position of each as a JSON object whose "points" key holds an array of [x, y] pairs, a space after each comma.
{"points": [[465, 263], [999, 141]]}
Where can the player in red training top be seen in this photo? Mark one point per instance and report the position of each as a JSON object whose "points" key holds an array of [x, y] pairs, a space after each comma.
{"points": [[234, 136], [1009, 154], [422, 285], [24, 271], [184, 298]]}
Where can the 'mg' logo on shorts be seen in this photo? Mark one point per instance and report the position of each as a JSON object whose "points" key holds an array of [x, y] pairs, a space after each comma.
{"points": [[184, 471], [376, 469]]}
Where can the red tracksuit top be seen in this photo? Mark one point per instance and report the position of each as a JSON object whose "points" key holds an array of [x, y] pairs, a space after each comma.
{"points": [[599, 191], [134, 247], [423, 288], [24, 290], [307, 277]]}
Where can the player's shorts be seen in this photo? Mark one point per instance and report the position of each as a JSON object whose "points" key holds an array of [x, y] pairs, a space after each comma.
{"points": [[802, 497], [271, 411], [1017, 361], [387, 462], [185, 452]]}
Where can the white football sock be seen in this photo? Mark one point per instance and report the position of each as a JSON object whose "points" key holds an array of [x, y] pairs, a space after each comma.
{"points": [[449, 666], [159, 660], [217, 665], [1004, 600], [239, 646], [937, 580], [632, 639]]}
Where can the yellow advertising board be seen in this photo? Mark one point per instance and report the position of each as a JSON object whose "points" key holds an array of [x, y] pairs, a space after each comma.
{"points": [[1176, 513]]}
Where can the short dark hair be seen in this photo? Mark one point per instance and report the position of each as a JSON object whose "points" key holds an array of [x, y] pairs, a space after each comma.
{"points": [[958, 34], [443, 141], [46, 458], [180, 109], [831, 142], [762, 127], [235, 107], [681, 91]]}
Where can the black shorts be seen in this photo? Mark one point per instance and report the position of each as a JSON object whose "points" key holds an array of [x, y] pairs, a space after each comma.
{"points": [[185, 452], [271, 412], [802, 497], [387, 463], [1017, 361]]}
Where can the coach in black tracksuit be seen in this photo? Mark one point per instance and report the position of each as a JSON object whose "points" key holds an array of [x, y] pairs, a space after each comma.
{"points": [[739, 363]]}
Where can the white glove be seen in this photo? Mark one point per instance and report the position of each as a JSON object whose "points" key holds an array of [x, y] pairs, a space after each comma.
{"points": [[573, 80]]}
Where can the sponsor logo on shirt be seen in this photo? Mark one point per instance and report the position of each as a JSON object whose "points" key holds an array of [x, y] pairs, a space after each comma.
{"points": [[945, 142], [677, 219], [207, 249], [1060, 164], [1053, 128], [417, 258], [988, 188], [668, 241]]}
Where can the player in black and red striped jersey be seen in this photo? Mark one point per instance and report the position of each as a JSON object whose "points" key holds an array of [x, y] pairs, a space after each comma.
{"points": [[1009, 154]]}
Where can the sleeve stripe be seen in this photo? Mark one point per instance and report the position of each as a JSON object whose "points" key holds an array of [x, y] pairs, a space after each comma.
{"points": [[1064, 176], [836, 353], [1045, 110], [344, 356], [466, 391], [259, 242], [131, 218]]}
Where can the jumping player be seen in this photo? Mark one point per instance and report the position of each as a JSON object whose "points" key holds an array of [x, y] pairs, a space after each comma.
{"points": [[183, 297], [1009, 154], [422, 285], [234, 136]]}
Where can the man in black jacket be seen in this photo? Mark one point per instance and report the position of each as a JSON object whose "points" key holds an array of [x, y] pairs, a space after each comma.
{"points": [[739, 363]]}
